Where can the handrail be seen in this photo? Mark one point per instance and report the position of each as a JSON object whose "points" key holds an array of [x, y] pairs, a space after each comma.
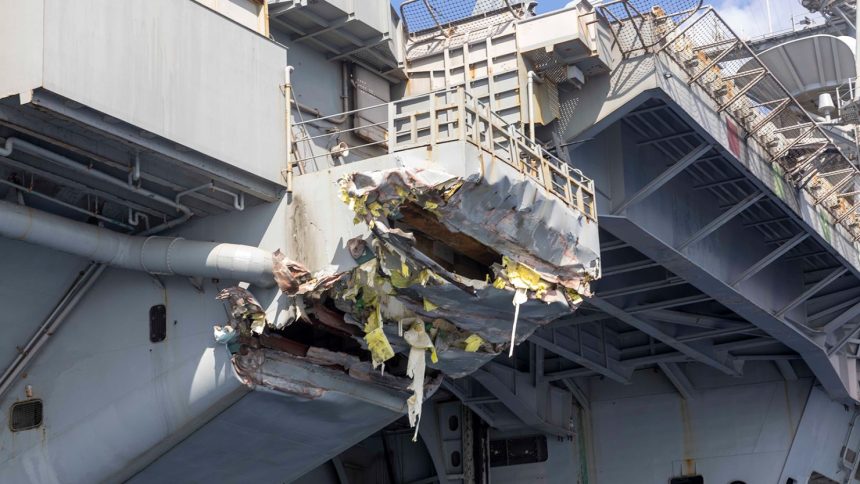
{"points": [[442, 24], [604, 10], [453, 114]]}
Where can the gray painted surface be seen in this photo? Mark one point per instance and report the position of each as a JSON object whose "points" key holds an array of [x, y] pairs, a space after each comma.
{"points": [[104, 385], [266, 437], [130, 402], [48, 275], [646, 433], [150, 64], [21, 46], [819, 438]]}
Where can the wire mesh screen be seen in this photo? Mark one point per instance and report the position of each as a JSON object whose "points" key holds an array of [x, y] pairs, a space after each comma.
{"points": [[25, 415], [743, 88], [641, 24], [420, 15]]}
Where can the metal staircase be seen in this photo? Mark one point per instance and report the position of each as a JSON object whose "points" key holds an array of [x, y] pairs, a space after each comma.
{"points": [[740, 85]]}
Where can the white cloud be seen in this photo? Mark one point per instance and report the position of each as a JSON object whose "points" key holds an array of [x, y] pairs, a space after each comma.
{"points": [[749, 17]]}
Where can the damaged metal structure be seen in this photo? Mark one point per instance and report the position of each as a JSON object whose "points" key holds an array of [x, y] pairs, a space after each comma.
{"points": [[430, 241]]}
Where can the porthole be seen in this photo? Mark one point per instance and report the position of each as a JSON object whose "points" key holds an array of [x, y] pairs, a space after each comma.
{"points": [[455, 459], [453, 423]]}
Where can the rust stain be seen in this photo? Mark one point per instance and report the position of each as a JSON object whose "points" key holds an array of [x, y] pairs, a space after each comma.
{"points": [[689, 463]]}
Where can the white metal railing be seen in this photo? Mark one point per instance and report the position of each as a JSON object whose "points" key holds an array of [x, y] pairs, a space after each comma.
{"points": [[442, 15], [454, 115], [631, 21]]}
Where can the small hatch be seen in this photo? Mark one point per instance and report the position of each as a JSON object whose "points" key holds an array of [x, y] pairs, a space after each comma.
{"points": [[25, 415], [157, 323], [688, 480]]}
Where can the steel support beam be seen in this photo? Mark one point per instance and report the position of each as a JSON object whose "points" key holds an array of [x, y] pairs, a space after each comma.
{"points": [[721, 220], [611, 368], [577, 393], [331, 26], [479, 411], [716, 333], [671, 303], [664, 177], [342, 477], [513, 402], [743, 304], [689, 319], [831, 309], [815, 289], [629, 267], [536, 368], [785, 368], [679, 380], [770, 258], [576, 320], [844, 341], [839, 321], [644, 287], [700, 351]]}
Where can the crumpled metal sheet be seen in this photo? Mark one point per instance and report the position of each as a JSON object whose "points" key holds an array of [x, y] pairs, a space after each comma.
{"points": [[246, 314], [308, 378], [489, 313], [513, 216], [545, 258], [289, 275], [550, 255]]}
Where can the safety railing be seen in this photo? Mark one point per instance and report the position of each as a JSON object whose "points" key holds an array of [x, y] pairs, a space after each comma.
{"points": [[443, 15], [632, 22], [450, 115], [848, 101], [715, 59], [454, 114]]}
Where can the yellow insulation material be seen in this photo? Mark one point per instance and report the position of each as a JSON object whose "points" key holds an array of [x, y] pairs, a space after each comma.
{"points": [[521, 276], [380, 348], [473, 342], [377, 342], [429, 306]]}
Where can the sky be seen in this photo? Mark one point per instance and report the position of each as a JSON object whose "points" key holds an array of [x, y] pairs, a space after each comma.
{"points": [[747, 17]]}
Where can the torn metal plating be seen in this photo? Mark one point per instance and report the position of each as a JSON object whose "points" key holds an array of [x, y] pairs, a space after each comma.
{"points": [[403, 298]]}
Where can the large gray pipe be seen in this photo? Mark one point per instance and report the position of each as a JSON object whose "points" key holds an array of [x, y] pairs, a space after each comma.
{"points": [[155, 255]]}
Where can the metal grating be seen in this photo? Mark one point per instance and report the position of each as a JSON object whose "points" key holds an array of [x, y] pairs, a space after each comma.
{"points": [[442, 15], [25, 415], [640, 24]]}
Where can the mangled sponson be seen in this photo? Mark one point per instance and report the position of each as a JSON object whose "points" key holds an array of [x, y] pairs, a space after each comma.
{"points": [[517, 265]]}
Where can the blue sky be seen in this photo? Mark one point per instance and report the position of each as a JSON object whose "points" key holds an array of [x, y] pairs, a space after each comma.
{"points": [[747, 17]]}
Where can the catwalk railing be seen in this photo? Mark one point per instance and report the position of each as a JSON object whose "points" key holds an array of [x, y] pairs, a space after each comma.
{"points": [[715, 59], [455, 115], [442, 16]]}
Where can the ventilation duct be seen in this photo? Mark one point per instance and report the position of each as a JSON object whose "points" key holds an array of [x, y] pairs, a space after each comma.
{"points": [[155, 255]]}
